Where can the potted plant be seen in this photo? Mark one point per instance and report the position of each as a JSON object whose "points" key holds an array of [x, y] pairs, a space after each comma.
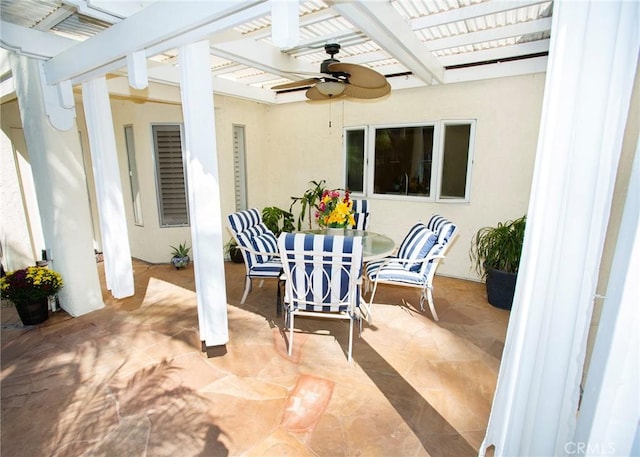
{"points": [[29, 289], [231, 250], [308, 201], [180, 255], [278, 220], [495, 253]]}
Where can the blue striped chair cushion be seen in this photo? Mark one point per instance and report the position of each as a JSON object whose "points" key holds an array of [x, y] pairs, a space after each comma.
{"points": [[266, 242], [242, 220], [393, 272], [270, 268], [252, 234], [326, 286], [361, 221], [361, 214], [443, 227], [416, 245]]}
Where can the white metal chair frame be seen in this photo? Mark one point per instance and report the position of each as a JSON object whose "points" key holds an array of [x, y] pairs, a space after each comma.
{"points": [[423, 281], [315, 283], [243, 226]]}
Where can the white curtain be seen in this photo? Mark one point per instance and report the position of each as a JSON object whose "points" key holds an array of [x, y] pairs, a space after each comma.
{"points": [[592, 63]]}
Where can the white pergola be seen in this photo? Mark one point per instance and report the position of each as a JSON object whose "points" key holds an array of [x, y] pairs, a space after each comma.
{"points": [[593, 57]]}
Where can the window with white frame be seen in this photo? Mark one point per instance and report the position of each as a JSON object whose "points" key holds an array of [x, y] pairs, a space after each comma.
{"points": [[429, 161], [170, 175]]}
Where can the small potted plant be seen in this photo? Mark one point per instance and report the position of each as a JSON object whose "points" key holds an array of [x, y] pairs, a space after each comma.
{"points": [[180, 255], [29, 289], [233, 252], [495, 253]]}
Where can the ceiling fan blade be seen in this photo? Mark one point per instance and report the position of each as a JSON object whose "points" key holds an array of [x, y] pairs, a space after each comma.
{"points": [[314, 94], [364, 92], [359, 75], [294, 84]]}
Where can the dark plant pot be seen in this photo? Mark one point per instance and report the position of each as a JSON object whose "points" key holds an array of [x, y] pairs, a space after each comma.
{"points": [[236, 255], [180, 262], [34, 312], [500, 288]]}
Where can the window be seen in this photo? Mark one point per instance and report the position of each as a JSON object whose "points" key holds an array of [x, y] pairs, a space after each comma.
{"points": [[455, 161], [170, 175], [354, 143], [133, 175], [430, 161]]}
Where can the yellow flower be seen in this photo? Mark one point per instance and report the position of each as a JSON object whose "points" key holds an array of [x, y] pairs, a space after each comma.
{"points": [[30, 283], [335, 209]]}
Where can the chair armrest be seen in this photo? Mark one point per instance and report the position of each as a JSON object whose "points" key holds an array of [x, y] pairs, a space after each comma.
{"points": [[396, 260]]}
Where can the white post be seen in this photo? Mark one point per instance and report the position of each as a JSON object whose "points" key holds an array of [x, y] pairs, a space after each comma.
{"points": [[204, 192], [58, 172], [610, 412], [104, 160], [592, 63]]}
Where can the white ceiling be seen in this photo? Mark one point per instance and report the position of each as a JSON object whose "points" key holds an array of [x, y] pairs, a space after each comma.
{"points": [[412, 42]]}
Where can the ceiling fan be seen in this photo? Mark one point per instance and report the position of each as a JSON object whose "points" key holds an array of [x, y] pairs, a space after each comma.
{"points": [[341, 79]]}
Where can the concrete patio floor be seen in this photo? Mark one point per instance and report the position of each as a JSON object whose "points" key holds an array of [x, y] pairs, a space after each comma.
{"points": [[131, 379]]}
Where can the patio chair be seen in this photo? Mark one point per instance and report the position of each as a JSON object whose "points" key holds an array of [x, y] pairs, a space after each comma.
{"points": [[259, 247], [416, 261], [361, 214], [323, 277]]}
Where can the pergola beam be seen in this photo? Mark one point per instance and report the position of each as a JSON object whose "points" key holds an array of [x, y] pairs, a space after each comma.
{"points": [[161, 26]]}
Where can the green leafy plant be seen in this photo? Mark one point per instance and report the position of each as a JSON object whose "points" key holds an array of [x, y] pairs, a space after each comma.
{"points": [[308, 202], [30, 284], [181, 251], [278, 220], [498, 247]]}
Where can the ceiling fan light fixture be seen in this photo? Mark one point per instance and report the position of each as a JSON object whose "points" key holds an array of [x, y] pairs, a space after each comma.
{"points": [[330, 88]]}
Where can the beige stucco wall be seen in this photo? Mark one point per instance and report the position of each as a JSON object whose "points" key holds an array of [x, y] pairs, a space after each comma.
{"points": [[20, 245], [302, 147], [149, 241], [289, 145]]}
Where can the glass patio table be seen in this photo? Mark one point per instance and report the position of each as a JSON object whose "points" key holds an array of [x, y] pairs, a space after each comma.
{"points": [[375, 246]]}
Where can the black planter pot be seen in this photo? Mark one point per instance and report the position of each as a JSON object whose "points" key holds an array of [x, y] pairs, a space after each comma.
{"points": [[236, 255], [500, 288], [34, 312]]}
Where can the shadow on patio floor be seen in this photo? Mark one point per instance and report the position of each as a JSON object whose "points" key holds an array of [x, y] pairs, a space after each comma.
{"points": [[131, 379]]}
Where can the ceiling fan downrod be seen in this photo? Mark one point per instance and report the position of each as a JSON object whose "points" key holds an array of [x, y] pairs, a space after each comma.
{"points": [[332, 49]]}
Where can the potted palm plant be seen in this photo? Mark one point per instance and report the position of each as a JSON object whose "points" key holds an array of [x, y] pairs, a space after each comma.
{"points": [[308, 202], [180, 255], [495, 253], [29, 289]]}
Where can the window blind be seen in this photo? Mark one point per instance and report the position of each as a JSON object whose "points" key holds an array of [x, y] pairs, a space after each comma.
{"points": [[171, 179]]}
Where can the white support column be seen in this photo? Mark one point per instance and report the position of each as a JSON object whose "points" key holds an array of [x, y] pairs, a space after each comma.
{"points": [[104, 159], [58, 172], [592, 63], [204, 192], [610, 412]]}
